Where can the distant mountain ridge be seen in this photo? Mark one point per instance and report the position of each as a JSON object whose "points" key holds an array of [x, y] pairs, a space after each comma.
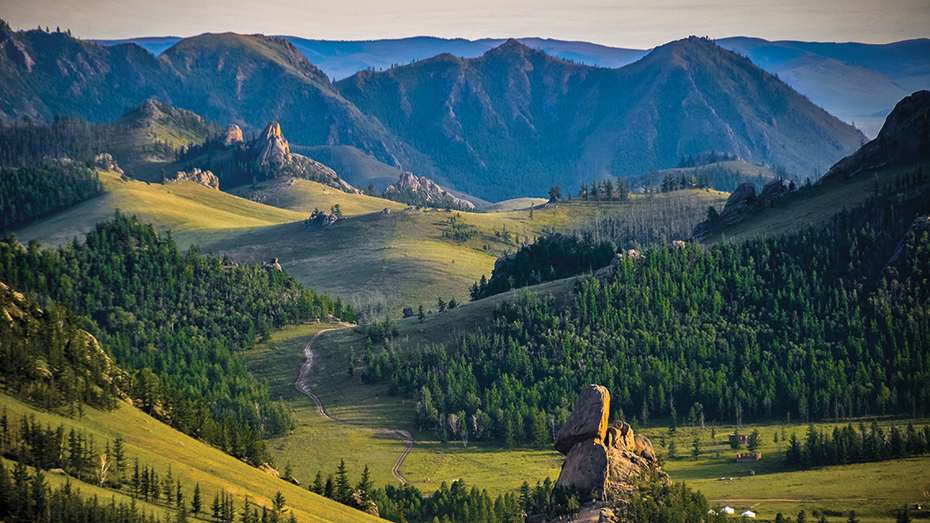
{"points": [[512, 122], [858, 83], [518, 121]]}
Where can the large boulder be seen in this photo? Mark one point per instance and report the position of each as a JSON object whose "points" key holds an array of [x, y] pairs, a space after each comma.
{"points": [[740, 201], [585, 468], [588, 421], [643, 447], [773, 191]]}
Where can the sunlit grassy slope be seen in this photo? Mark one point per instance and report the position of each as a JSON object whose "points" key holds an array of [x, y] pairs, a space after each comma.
{"points": [[816, 206], [378, 262], [188, 209], [873, 490], [513, 205], [191, 462], [388, 261], [304, 196]]}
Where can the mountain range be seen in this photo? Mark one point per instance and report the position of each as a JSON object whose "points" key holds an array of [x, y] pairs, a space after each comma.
{"points": [[511, 122], [858, 83]]}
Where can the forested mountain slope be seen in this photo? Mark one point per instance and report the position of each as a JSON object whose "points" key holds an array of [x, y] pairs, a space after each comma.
{"points": [[183, 317], [497, 116]]}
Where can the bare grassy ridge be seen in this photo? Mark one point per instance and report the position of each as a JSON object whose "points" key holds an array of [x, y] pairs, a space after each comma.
{"points": [[191, 462]]}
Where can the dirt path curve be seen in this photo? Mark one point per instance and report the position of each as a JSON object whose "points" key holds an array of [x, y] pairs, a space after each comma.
{"points": [[303, 385]]}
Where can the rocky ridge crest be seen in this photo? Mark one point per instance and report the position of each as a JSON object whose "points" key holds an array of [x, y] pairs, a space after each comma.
{"points": [[272, 149], [433, 193]]}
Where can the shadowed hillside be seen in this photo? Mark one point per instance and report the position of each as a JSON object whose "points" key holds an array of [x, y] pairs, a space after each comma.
{"points": [[497, 116]]}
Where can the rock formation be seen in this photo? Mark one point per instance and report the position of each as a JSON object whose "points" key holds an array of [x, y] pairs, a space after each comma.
{"points": [[321, 219], [272, 147], [272, 265], [587, 422], [233, 135], [205, 178], [432, 193], [742, 201], [600, 458], [105, 162]]}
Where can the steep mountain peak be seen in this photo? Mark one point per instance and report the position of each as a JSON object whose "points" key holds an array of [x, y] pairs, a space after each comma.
{"points": [[513, 47]]}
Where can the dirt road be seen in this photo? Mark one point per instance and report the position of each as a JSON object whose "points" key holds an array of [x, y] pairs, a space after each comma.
{"points": [[303, 385]]}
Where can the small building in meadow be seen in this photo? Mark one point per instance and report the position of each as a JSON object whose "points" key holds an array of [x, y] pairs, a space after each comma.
{"points": [[739, 439], [748, 457]]}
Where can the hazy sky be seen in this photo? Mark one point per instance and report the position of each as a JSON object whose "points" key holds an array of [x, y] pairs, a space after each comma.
{"points": [[620, 23]]}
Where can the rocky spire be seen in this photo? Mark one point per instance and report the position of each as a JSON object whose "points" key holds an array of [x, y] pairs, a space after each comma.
{"points": [[272, 146]]}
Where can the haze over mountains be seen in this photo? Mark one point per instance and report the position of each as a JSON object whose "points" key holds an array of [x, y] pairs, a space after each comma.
{"points": [[510, 123]]}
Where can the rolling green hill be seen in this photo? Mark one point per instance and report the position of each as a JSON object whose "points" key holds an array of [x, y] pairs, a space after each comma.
{"points": [[191, 462], [191, 211], [354, 257]]}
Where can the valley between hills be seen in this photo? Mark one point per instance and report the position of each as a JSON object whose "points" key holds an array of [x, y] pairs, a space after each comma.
{"points": [[246, 308]]}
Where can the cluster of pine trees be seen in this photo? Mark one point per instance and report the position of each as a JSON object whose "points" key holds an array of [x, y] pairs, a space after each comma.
{"points": [[850, 445], [29, 143], [28, 193], [182, 317], [68, 451], [551, 258], [812, 323]]}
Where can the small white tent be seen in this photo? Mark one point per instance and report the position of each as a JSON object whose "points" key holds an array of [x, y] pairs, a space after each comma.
{"points": [[728, 510], [749, 514]]}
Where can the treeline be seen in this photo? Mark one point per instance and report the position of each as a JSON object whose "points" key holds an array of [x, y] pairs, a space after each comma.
{"points": [[712, 176], [847, 445], [29, 143], [455, 503], [551, 258], [183, 317], [811, 323], [660, 502], [28, 193]]}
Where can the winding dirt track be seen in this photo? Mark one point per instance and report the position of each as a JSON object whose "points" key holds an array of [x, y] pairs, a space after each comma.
{"points": [[303, 385]]}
